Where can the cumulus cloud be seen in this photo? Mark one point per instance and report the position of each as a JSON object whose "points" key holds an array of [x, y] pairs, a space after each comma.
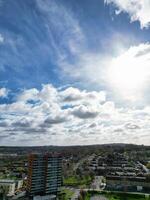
{"points": [[84, 112], [138, 10], [27, 95], [57, 116], [74, 96], [71, 94], [55, 119]]}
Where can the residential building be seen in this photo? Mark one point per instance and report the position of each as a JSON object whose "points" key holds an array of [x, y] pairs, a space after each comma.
{"points": [[44, 174]]}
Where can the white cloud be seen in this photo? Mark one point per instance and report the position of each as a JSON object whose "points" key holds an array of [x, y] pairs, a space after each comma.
{"points": [[138, 10], [56, 119], [73, 95], [28, 95], [3, 92], [85, 112], [54, 116]]}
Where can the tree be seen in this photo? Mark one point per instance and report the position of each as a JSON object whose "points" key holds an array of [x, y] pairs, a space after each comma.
{"points": [[148, 165]]}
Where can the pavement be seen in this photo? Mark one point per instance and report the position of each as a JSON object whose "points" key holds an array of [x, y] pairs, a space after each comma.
{"points": [[98, 197], [76, 194]]}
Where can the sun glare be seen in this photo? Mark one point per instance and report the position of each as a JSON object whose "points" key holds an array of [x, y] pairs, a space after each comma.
{"points": [[128, 74]]}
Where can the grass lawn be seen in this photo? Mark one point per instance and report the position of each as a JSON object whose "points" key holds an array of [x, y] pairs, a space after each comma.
{"points": [[67, 194], [75, 181]]}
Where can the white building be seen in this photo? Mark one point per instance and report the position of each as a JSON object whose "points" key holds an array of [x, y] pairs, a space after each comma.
{"points": [[9, 186]]}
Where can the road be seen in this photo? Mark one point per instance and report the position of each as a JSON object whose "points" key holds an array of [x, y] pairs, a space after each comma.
{"points": [[144, 167], [98, 197]]}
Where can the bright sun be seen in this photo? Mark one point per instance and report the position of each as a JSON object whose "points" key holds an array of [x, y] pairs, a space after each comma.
{"points": [[128, 74]]}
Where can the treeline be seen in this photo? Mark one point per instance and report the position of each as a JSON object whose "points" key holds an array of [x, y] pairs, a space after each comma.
{"points": [[75, 150]]}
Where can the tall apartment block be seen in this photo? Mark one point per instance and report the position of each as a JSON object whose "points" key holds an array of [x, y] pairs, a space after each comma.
{"points": [[44, 174]]}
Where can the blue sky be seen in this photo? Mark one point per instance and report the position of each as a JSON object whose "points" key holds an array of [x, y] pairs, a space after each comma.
{"points": [[37, 34], [52, 51]]}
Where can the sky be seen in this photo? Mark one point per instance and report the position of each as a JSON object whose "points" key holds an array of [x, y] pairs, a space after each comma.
{"points": [[74, 72]]}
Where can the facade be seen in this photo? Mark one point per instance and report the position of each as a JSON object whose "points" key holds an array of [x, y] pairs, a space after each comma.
{"points": [[44, 174]]}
